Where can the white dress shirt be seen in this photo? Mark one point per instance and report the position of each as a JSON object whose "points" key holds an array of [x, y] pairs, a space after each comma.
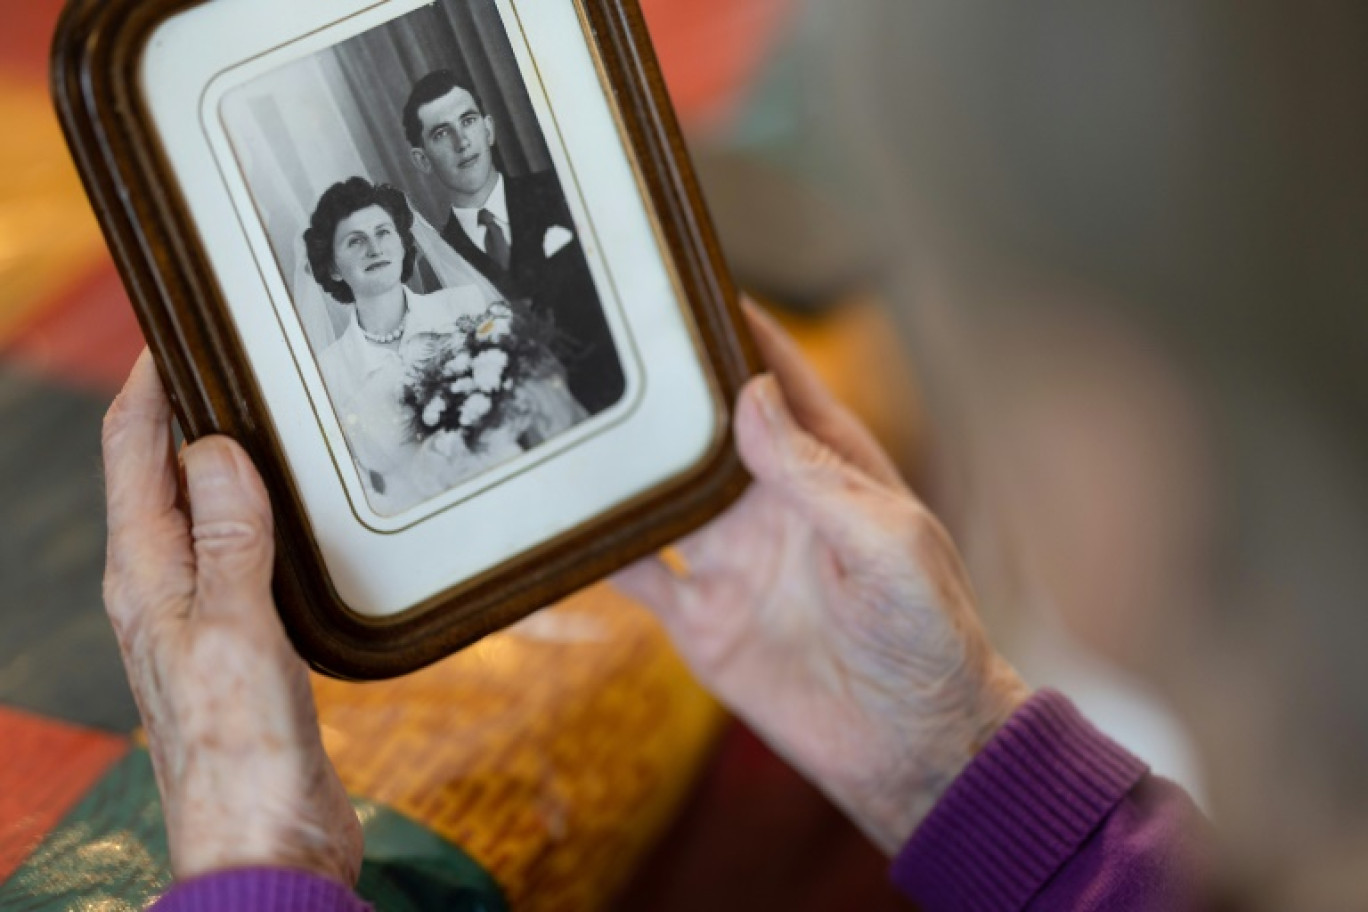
{"points": [[497, 204]]}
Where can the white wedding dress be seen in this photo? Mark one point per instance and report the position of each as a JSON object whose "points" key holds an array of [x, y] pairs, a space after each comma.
{"points": [[365, 382]]}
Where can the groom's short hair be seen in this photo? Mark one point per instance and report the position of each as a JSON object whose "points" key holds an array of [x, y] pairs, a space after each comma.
{"points": [[427, 90]]}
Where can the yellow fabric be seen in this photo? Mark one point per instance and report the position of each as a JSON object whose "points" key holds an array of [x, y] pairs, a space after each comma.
{"points": [[554, 753], [48, 235]]}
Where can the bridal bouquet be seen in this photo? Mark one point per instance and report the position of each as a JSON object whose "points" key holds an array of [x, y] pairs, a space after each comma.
{"points": [[470, 386]]}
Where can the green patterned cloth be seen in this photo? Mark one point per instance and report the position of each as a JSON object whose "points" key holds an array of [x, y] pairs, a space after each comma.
{"points": [[110, 854]]}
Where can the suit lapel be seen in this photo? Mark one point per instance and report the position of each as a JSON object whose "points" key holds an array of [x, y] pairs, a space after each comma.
{"points": [[456, 236]]}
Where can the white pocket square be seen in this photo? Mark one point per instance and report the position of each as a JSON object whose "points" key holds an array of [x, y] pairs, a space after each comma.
{"points": [[556, 239]]}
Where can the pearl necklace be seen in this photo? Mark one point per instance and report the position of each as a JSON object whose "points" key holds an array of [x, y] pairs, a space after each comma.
{"points": [[388, 337]]}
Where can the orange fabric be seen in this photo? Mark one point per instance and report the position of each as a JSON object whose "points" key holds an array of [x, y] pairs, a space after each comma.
{"points": [[712, 50], [45, 768], [26, 37], [87, 334], [47, 232], [62, 310]]}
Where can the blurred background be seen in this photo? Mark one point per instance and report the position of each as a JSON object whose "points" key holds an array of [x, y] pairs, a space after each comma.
{"points": [[1098, 277]]}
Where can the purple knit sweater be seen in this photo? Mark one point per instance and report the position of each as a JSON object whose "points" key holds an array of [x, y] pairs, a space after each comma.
{"points": [[1054, 815], [1051, 816]]}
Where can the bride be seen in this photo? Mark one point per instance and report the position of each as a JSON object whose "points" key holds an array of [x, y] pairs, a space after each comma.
{"points": [[362, 249]]}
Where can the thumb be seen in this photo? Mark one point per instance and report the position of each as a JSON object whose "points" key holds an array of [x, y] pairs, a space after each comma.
{"points": [[232, 528], [812, 478]]}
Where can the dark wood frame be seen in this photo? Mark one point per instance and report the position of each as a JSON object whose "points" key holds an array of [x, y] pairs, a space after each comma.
{"points": [[185, 319]]}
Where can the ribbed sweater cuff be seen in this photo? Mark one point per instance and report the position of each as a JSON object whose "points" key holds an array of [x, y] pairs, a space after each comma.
{"points": [[260, 890], [1018, 812]]}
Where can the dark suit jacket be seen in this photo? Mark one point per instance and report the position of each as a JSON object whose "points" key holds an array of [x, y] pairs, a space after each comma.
{"points": [[558, 288]]}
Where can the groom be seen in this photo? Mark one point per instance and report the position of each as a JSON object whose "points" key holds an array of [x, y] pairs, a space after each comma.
{"points": [[516, 230]]}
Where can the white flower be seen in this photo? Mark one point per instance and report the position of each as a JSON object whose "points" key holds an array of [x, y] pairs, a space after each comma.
{"points": [[499, 309], [433, 413], [475, 408], [489, 369], [448, 444], [459, 364], [463, 386]]}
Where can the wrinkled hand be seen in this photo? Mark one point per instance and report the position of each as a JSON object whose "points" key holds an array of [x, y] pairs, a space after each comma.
{"points": [[830, 610], [225, 700]]}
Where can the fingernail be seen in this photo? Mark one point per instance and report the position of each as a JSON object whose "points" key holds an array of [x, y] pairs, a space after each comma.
{"points": [[767, 396]]}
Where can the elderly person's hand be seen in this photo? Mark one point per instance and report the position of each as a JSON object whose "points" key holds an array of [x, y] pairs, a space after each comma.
{"points": [[830, 610], [225, 700]]}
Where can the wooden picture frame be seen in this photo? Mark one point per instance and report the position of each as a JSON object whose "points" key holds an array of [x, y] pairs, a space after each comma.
{"points": [[123, 69]]}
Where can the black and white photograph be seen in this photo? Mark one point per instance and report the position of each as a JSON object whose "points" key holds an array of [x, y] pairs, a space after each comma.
{"points": [[421, 227]]}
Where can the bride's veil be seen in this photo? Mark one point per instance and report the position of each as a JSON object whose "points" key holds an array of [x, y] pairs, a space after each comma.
{"points": [[452, 269], [324, 319]]}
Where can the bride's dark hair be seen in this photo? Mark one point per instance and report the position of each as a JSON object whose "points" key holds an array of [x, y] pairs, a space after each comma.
{"points": [[341, 201]]}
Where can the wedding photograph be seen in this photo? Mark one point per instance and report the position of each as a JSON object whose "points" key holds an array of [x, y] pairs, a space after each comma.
{"points": [[421, 227]]}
